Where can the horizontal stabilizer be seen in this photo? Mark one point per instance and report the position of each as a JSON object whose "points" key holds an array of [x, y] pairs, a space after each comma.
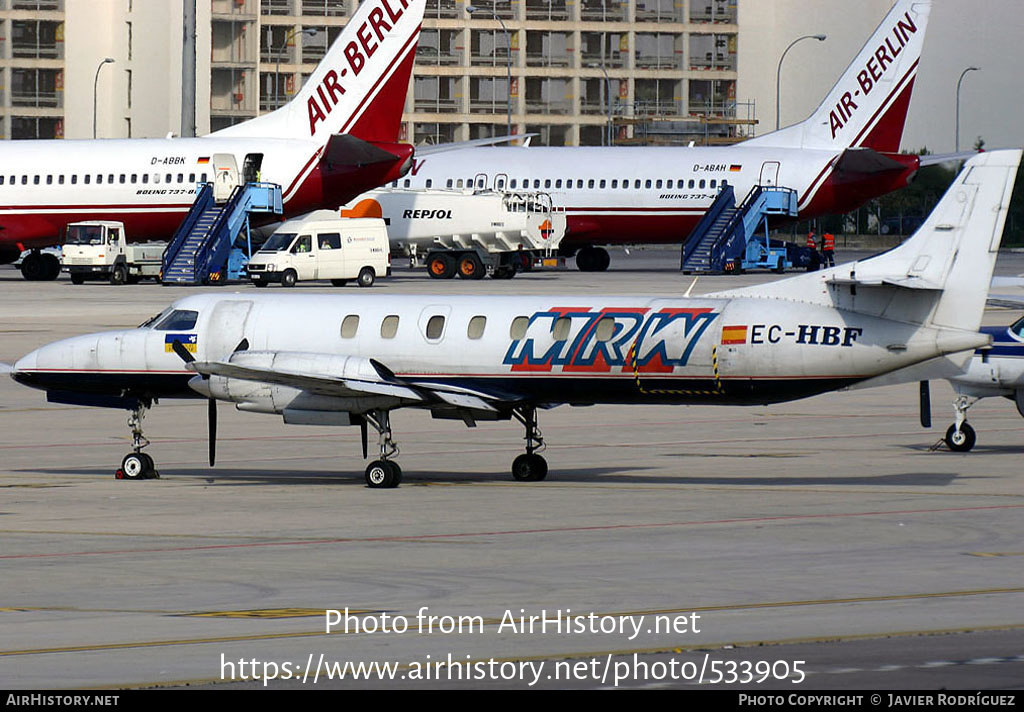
{"points": [[909, 282], [6, 368], [933, 159], [866, 160], [347, 150]]}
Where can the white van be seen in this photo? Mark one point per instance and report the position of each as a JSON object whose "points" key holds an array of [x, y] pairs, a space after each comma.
{"points": [[322, 245]]}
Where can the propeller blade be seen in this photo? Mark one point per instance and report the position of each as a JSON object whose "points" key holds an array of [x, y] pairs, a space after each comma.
{"points": [[182, 352], [211, 417], [362, 432], [926, 405]]}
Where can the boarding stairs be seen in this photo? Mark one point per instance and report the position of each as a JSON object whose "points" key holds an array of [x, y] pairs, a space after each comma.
{"points": [[720, 240], [198, 253]]}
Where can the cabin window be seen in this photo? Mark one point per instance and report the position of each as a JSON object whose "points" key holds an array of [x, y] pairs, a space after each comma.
{"points": [[178, 320], [407, 183], [145, 178], [389, 327], [110, 178], [24, 180], [1, 180], [602, 184], [615, 184], [657, 184], [430, 183], [547, 183], [647, 184], [561, 327], [636, 184], [499, 184], [329, 241], [191, 178], [476, 327], [703, 183], [518, 328], [349, 326], [87, 178], [49, 180], [35, 180], [558, 183], [435, 328], [691, 182], [449, 184], [536, 183], [181, 177], [513, 184], [605, 329], [135, 178], [74, 179], [668, 184], [590, 183], [714, 183], [458, 183], [123, 179]]}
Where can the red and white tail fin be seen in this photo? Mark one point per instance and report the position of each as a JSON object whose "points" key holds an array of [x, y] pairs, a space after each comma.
{"points": [[359, 87], [867, 108]]}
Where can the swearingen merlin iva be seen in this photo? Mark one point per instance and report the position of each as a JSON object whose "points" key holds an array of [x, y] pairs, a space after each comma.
{"points": [[906, 315]]}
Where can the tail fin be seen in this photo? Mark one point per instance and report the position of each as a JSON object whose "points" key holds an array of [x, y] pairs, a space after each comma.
{"points": [[868, 105], [359, 87], [939, 277]]}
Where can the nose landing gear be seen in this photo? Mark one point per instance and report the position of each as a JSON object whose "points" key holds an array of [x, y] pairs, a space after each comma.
{"points": [[961, 437], [137, 465]]}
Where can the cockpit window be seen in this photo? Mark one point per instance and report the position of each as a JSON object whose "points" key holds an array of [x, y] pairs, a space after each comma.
{"points": [[154, 319], [178, 320], [1018, 329]]}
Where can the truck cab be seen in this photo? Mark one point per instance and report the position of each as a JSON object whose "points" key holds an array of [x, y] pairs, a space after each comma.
{"points": [[98, 249]]}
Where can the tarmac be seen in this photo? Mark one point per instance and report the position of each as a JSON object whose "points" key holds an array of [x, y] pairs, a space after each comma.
{"points": [[822, 539]]}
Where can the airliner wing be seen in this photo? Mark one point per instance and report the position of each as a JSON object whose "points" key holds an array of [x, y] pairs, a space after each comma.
{"points": [[346, 377], [422, 151]]}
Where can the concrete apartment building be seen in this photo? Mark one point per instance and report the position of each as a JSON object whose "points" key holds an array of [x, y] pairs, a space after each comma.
{"points": [[583, 72]]}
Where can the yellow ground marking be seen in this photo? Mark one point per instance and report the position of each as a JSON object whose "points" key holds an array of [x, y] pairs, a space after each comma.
{"points": [[496, 621], [268, 613], [991, 554]]}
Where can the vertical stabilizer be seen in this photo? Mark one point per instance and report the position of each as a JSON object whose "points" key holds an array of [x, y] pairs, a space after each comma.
{"points": [[867, 107], [359, 87]]}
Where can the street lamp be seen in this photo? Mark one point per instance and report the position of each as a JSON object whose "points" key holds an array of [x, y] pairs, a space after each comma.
{"points": [[959, 81], [309, 32], [778, 74], [607, 93], [508, 62], [95, 84]]}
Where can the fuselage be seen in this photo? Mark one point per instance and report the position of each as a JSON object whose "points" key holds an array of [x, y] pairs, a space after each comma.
{"points": [[630, 195], [150, 184], [997, 370], [538, 349]]}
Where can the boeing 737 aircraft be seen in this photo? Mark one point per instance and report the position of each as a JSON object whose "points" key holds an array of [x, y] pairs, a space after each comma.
{"points": [[844, 154], [909, 314], [335, 139]]}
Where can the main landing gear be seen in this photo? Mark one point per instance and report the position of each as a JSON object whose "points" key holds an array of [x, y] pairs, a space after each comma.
{"points": [[593, 259], [137, 465], [530, 467], [383, 473], [961, 437], [40, 267]]}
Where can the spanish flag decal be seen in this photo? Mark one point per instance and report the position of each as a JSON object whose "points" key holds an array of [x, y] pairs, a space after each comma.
{"points": [[734, 334]]}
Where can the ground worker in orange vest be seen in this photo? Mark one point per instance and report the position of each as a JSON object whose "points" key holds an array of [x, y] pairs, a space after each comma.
{"points": [[812, 245], [828, 249]]}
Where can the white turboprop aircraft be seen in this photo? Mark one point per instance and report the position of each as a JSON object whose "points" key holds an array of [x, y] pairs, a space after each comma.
{"points": [[337, 138], [844, 154], [996, 370], [904, 315]]}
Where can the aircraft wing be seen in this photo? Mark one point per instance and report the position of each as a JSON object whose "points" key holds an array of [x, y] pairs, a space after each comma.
{"points": [[423, 151], [347, 377], [932, 159], [5, 368]]}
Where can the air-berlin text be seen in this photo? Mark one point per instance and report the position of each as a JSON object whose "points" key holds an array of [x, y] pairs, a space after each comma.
{"points": [[874, 69], [369, 36]]}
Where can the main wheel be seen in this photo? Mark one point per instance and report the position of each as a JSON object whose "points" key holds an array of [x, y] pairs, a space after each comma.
{"points": [[382, 474], [119, 275], [289, 278], [441, 266], [470, 267], [961, 441], [32, 267], [366, 277], [51, 267], [77, 279], [136, 466], [529, 468]]}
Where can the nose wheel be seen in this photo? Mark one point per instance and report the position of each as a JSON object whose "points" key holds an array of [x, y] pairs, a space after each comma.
{"points": [[137, 465], [960, 437], [530, 467], [383, 473]]}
